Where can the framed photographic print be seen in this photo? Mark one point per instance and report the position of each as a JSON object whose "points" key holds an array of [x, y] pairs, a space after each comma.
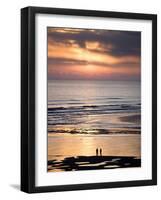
{"points": [[89, 99]]}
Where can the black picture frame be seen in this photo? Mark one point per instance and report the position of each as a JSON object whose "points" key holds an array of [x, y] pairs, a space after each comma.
{"points": [[28, 98]]}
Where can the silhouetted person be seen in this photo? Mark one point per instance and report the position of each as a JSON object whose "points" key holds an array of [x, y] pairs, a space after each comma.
{"points": [[100, 152], [97, 152]]}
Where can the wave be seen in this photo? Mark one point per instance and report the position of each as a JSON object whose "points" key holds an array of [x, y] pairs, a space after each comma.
{"points": [[97, 131], [80, 99], [94, 109]]}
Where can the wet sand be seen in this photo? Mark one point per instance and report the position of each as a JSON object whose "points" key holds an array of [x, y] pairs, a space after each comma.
{"points": [[74, 148], [62, 146], [131, 118]]}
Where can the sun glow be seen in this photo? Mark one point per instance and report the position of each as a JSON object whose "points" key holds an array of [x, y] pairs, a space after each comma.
{"points": [[72, 55], [90, 68]]}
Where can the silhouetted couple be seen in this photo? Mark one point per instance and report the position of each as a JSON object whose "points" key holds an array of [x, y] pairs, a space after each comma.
{"points": [[99, 151]]}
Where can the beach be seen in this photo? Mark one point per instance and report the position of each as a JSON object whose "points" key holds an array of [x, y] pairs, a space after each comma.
{"points": [[99, 115], [67, 146]]}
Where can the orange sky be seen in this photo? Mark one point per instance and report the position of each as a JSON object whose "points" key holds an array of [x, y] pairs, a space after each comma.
{"points": [[93, 54]]}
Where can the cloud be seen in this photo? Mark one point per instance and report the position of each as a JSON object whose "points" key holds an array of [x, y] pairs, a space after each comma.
{"points": [[58, 61], [95, 54], [121, 42]]}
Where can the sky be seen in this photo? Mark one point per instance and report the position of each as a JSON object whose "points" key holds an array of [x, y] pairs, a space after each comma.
{"points": [[93, 54]]}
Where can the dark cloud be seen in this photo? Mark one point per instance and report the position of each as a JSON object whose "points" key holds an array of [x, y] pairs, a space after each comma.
{"points": [[66, 61], [123, 43], [60, 61]]}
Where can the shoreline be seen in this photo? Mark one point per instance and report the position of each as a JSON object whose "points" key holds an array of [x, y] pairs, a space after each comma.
{"points": [[126, 128], [116, 131]]}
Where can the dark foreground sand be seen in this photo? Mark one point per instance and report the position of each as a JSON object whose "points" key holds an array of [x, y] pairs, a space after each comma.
{"points": [[93, 163]]}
